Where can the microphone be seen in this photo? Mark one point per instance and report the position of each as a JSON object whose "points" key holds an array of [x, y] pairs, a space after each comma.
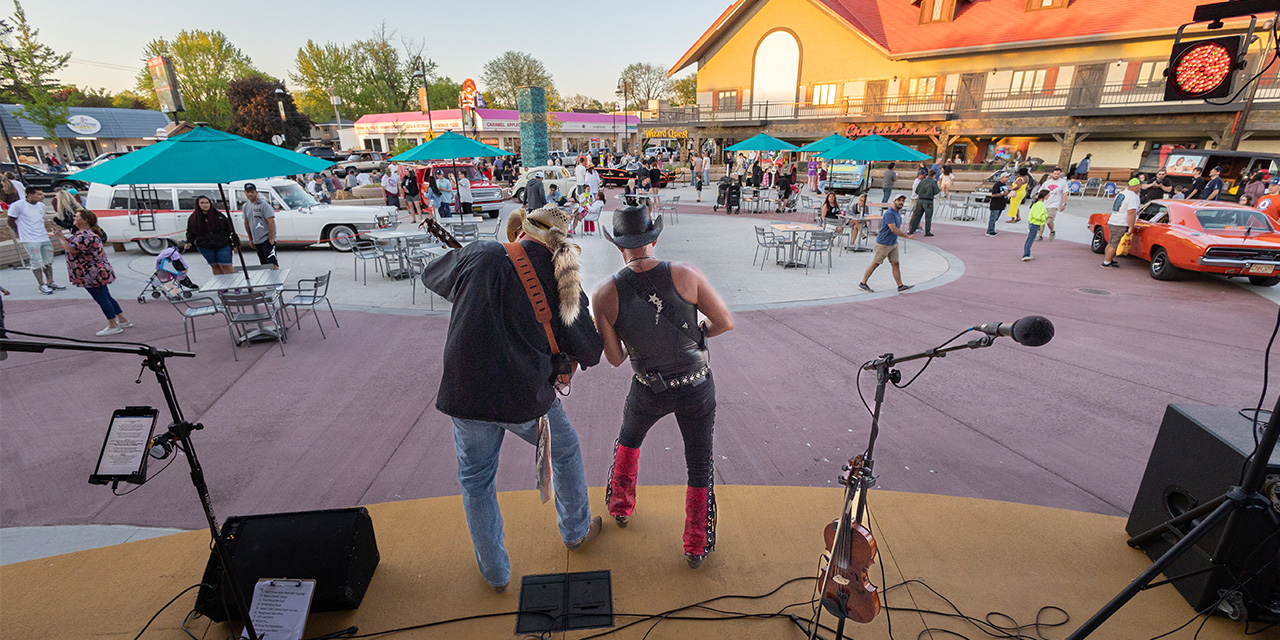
{"points": [[1031, 331]]}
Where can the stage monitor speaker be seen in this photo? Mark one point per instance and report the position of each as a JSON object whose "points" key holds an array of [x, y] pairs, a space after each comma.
{"points": [[1197, 457], [335, 547]]}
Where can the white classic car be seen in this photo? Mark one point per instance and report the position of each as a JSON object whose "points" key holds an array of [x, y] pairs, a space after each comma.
{"points": [[155, 216], [562, 177]]}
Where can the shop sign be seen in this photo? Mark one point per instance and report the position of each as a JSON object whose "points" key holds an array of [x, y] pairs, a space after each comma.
{"points": [[666, 133], [84, 125], [857, 130]]}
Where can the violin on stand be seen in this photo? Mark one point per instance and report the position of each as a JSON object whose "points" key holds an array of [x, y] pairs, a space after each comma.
{"points": [[847, 591]]}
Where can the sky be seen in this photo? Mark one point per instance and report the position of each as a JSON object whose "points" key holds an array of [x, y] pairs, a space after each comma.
{"points": [[585, 45]]}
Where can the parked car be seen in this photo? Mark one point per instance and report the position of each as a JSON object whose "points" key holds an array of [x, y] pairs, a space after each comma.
{"points": [[487, 194], [320, 151], [41, 179], [619, 174], [155, 216], [560, 176], [85, 164], [363, 161], [1200, 235]]}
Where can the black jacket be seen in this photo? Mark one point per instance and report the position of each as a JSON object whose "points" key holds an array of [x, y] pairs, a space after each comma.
{"points": [[497, 362], [215, 235]]}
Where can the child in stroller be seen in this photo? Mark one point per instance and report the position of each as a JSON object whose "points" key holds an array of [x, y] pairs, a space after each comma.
{"points": [[170, 278]]}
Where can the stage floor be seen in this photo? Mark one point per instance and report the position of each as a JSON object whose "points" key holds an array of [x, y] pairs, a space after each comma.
{"points": [[982, 555]]}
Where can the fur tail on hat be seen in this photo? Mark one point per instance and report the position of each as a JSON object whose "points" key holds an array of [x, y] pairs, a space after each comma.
{"points": [[568, 278]]}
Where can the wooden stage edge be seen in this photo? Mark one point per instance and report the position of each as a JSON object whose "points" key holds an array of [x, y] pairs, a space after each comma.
{"points": [[983, 555]]}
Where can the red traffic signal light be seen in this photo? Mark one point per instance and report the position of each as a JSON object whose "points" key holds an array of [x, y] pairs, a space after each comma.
{"points": [[1200, 69]]}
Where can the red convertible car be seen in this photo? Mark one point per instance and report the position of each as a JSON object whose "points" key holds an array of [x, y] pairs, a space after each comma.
{"points": [[1201, 235]]}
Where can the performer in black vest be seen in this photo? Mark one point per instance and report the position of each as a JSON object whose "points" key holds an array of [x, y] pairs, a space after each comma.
{"points": [[652, 306]]}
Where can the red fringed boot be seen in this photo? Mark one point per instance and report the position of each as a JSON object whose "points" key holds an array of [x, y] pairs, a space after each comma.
{"points": [[699, 524], [620, 496]]}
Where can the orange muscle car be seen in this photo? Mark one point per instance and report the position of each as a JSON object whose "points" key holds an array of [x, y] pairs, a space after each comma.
{"points": [[1201, 235]]}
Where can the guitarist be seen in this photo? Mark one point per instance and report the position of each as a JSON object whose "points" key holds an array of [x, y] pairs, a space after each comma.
{"points": [[652, 306], [495, 335]]}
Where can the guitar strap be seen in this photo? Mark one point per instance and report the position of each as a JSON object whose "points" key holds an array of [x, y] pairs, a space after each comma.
{"points": [[533, 289]]}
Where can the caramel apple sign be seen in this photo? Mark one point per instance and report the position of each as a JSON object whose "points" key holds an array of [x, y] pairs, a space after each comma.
{"points": [[84, 125]]}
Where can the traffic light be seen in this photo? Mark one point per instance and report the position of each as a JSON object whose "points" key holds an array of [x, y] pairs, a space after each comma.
{"points": [[1203, 69]]}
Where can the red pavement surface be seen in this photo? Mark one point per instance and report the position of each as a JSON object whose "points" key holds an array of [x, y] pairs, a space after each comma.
{"points": [[350, 420]]}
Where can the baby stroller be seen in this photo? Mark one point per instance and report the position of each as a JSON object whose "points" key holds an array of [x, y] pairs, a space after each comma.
{"points": [[729, 195], [790, 199], [170, 278]]}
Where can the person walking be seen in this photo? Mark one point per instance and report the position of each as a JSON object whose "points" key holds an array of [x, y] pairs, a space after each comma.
{"points": [[260, 225], [1036, 220], [88, 267], [997, 201], [925, 193], [412, 194], [1056, 203], [26, 219], [652, 306], [497, 332], [1123, 220], [1082, 169], [535, 195], [946, 182], [887, 246], [210, 231], [1019, 190]]}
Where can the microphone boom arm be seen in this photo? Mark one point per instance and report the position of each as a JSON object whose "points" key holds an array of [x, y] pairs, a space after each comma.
{"points": [[889, 360]]}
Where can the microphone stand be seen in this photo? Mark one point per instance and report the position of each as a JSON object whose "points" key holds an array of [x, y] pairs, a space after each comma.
{"points": [[179, 432], [886, 371]]}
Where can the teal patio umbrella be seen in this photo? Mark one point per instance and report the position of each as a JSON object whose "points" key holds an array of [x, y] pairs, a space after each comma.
{"points": [[826, 144], [450, 146], [762, 142], [204, 155], [873, 148]]}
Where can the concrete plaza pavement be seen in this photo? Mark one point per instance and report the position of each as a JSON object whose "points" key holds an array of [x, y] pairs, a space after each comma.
{"points": [[350, 420]]}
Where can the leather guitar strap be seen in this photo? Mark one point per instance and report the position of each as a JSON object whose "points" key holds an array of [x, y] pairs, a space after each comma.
{"points": [[532, 288]]}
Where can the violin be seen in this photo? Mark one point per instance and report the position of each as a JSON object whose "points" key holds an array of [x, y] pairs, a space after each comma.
{"points": [[847, 591]]}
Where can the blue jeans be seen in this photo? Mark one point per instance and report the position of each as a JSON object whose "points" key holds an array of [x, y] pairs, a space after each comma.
{"points": [[888, 191], [1031, 239], [477, 443], [992, 218], [216, 256], [110, 307]]}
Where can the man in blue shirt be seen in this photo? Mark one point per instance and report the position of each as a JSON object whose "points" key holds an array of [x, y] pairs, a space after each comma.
{"points": [[1215, 186], [887, 246]]}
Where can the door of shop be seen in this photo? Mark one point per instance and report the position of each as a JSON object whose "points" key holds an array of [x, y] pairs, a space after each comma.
{"points": [[1086, 86], [972, 85]]}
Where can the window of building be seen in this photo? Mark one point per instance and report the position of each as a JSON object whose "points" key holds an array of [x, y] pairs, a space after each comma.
{"points": [[823, 94], [937, 11], [1036, 5], [1027, 81], [727, 99], [1151, 73], [922, 87]]}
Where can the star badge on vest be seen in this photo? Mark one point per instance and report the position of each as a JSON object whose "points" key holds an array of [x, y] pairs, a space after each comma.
{"points": [[657, 303]]}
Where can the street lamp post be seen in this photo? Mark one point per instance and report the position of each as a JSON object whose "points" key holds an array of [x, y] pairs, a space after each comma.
{"points": [[420, 72], [284, 134]]}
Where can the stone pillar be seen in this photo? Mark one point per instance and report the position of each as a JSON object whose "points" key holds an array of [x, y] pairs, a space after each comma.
{"points": [[1068, 142], [532, 104]]}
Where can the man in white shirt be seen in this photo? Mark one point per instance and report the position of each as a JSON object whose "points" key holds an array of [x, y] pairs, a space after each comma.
{"points": [[391, 188], [362, 178], [1057, 200], [580, 178], [1123, 220], [317, 188], [465, 199], [593, 181], [26, 219]]}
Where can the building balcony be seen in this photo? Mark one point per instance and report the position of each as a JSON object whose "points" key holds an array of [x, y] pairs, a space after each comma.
{"points": [[1109, 99]]}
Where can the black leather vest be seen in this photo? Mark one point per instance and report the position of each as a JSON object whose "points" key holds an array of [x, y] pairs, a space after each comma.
{"points": [[654, 344]]}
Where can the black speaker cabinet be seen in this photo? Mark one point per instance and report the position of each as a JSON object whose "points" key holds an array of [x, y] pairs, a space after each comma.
{"points": [[1197, 457], [335, 547]]}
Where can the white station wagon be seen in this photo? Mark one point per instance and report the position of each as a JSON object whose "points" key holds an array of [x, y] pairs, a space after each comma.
{"points": [[155, 216]]}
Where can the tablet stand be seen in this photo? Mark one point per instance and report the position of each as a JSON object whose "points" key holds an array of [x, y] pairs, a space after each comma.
{"points": [[179, 432]]}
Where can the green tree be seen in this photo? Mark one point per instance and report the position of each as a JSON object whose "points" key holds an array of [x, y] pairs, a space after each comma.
{"points": [[205, 62], [579, 102], [132, 100], [255, 112], [504, 75], [684, 92], [374, 75], [27, 74], [644, 81]]}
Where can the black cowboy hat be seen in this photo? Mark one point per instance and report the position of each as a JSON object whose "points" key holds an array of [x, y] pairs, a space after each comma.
{"points": [[632, 227]]}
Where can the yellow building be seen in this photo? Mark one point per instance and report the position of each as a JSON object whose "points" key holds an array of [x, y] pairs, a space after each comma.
{"points": [[1054, 79]]}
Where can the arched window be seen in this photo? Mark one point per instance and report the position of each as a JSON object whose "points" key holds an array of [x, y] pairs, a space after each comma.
{"points": [[777, 75]]}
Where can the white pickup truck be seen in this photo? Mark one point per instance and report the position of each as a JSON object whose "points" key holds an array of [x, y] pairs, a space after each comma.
{"points": [[155, 216]]}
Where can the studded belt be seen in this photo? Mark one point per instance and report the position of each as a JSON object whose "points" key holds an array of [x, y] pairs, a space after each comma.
{"points": [[658, 384]]}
